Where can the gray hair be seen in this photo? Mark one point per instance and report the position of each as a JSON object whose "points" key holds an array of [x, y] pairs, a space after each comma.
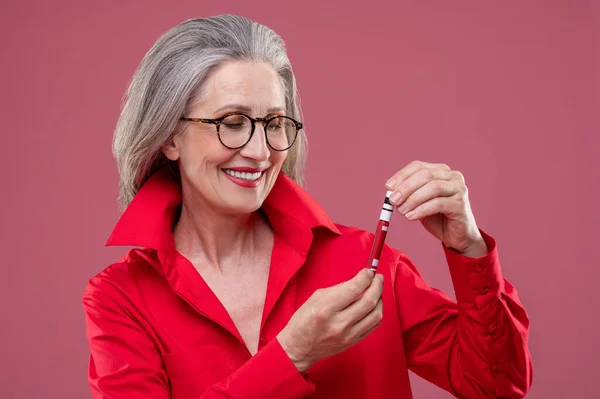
{"points": [[169, 81]]}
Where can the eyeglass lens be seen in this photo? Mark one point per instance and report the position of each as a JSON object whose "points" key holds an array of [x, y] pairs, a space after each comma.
{"points": [[235, 131]]}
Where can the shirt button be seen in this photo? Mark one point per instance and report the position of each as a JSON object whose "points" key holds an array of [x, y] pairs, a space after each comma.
{"points": [[479, 268], [263, 341], [484, 290], [492, 327]]}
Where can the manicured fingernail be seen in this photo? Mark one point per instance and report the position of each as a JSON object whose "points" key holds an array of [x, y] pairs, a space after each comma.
{"points": [[390, 183], [395, 197], [403, 208], [410, 214], [371, 273]]}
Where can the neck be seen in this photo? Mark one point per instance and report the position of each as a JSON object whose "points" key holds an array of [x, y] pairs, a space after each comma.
{"points": [[213, 239]]}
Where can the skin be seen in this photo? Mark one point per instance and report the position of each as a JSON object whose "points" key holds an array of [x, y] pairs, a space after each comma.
{"points": [[222, 232], [437, 196]]}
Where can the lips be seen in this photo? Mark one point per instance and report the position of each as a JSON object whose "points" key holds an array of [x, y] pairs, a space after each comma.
{"points": [[246, 175]]}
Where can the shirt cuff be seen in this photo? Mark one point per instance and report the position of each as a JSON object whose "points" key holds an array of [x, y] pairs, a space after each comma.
{"points": [[271, 373], [476, 280]]}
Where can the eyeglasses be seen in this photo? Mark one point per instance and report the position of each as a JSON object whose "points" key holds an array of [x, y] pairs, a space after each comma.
{"points": [[236, 129]]}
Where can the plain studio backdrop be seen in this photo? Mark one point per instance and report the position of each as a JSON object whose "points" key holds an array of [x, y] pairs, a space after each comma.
{"points": [[506, 92]]}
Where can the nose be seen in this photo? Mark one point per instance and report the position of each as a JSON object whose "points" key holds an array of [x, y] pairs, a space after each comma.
{"points": [[257, 148]]}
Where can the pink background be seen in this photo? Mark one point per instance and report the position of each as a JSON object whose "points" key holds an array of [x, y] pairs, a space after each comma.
{"points": [[503, 91]]}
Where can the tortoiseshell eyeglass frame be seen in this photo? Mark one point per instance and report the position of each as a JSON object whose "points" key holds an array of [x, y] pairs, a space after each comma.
{"points": [[253, 121]]}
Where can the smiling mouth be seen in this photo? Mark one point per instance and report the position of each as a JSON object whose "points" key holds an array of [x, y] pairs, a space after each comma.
{"points": [[249, 176]]}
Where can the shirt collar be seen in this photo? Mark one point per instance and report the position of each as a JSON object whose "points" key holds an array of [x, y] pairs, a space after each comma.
{"points": [[147, 221]]}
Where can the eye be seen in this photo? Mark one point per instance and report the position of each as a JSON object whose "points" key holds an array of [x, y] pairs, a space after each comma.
{"points": [[235, 122], [231, 125], [276, 125]]}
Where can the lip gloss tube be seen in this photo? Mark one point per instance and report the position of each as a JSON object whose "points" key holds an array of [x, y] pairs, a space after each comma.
{"points": [[381, 232]]}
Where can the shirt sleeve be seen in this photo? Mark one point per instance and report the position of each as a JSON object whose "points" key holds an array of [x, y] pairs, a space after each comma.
{"points": [[125, 363], [475, 347]]}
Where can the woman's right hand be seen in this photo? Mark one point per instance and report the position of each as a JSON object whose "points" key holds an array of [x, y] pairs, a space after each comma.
{"points": [[333, 319]]}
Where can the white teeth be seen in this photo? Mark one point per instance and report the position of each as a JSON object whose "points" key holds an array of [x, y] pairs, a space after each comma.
{"points": [[243, 175]]}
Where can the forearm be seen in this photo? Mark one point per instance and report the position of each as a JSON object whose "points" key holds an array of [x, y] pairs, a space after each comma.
{"points": [[269, 374], [489, 357], [132, 368], [474, 347]]}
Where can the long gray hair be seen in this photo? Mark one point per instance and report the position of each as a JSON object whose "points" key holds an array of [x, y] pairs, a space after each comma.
{"points": [[169, 81]]}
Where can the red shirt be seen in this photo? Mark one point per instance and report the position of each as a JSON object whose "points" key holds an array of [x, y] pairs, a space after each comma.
{"points": [[156, 330]]}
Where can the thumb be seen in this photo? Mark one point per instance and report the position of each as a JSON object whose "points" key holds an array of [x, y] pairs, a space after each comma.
{"points": [[351, 290]]}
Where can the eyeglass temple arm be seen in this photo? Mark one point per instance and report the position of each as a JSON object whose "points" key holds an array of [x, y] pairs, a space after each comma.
{"points": [[203, 120]]}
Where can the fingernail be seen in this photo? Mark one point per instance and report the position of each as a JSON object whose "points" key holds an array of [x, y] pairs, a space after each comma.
{"points": [[395, 197], [371, 273], [390, 183], [381, 278], [403, 208]]}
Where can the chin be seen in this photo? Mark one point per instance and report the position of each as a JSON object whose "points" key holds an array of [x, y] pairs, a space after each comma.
{"points": [[240, 208]]}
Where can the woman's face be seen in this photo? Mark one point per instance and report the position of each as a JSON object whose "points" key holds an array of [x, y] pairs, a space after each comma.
{"points": [[208, 169]]}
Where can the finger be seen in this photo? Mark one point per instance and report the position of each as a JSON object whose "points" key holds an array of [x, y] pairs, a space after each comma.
{"points": [[431, 190], [404, 190], [368, 323], [445, 205], [363, 306], [403, 174], [409, 170], [365, 334], [342, 295]]}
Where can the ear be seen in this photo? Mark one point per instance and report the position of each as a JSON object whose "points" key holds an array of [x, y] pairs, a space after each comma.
{"points": [[171, 150]]}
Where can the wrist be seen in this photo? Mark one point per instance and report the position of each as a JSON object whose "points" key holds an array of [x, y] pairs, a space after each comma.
{"points": [[477, 249], [301, 363]]}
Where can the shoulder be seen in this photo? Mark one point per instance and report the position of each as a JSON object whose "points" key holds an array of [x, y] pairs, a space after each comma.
{"points": [[356, 239], [352, 247], [119, 282]]}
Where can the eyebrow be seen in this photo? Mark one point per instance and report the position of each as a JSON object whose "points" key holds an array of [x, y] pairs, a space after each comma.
{"points": [[245, 108]]}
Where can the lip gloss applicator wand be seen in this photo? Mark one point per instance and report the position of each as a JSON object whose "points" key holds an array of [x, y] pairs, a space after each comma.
{"points": [[381, 232]]}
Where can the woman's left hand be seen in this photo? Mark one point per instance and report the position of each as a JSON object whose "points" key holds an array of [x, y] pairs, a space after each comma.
{"points": [[437, 196]]}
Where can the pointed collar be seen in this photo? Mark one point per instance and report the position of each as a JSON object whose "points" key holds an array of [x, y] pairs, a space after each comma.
{"points": [[148, 220]]}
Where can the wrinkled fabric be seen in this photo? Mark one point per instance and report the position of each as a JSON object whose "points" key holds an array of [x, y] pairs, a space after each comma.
{"points": [[156, 330]]}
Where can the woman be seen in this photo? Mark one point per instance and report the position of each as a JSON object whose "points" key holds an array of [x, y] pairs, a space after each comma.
{"points": [[242, 286]]}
